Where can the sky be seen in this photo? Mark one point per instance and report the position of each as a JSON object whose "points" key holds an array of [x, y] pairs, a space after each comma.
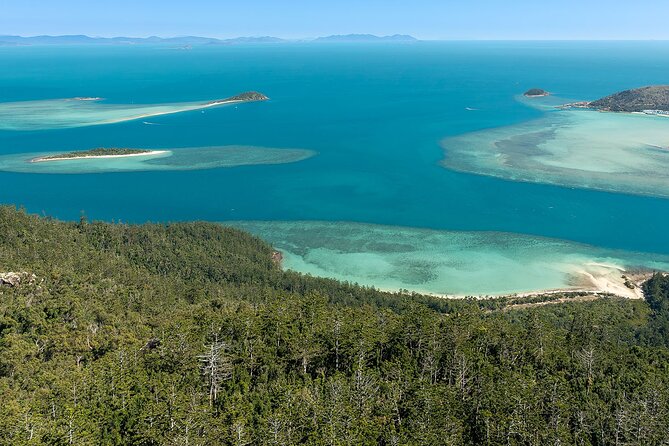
{"points": [[424, 19]]}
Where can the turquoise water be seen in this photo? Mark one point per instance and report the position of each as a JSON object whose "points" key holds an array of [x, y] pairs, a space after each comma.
{"points": [[615, 152], [456, 263], [187, 158], [374, 114]]}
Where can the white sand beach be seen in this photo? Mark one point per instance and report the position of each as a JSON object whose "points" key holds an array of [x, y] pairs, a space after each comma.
{"points": [[72, 158]]}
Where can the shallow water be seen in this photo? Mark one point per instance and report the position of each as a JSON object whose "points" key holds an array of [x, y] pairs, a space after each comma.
{"points": [[444, 262], [194, 158], [617, 152], [375, 114], [69, 113]]}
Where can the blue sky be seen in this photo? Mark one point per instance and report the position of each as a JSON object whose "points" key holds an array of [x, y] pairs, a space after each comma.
{"points": [[426, 19]]}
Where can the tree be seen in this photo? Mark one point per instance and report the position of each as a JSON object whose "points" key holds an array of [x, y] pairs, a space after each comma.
{"points": [[216, 367]]}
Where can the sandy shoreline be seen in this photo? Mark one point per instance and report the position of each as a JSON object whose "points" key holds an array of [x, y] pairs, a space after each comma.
{"points": [[148, 153], [171, 112], [592, 285]]}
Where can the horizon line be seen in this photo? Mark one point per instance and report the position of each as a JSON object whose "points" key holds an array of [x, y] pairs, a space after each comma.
{"points": [[298, 39]]}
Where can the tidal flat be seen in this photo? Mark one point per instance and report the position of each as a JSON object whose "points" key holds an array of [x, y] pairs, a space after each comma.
{"points": [[451, 263], [75, 112], [613, 152]]}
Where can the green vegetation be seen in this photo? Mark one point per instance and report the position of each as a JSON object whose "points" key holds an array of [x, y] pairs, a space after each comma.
{"points": [[654, 98], [249, 96], [657, 295], [189, 334], [532, 92], [94, 152]]}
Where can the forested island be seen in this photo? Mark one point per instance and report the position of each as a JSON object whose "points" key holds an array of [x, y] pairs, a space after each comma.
{"points": [[100, 152], [535, 92], [653, 99], [249, 96], [190, 333]]}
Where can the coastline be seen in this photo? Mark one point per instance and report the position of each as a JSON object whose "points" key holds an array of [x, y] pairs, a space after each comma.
{"points": [[171, 112], [147, 153], [589, 279], [599, 286], [455, 264], [82, 112]]}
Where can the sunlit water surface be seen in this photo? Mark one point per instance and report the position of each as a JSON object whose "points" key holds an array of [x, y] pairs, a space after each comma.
{"points": [[373, 119]]}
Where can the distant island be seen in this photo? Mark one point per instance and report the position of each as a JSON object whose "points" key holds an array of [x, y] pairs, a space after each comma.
{"points": [[249, 96], [153, 40], [97, 153], [188, 41], [366, 38], [247, 40], [535, 92]]}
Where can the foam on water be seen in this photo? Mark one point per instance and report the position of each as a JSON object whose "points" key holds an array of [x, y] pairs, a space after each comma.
{"points": [[194, 158], [69, 113], [448, 262], [617, 152]]}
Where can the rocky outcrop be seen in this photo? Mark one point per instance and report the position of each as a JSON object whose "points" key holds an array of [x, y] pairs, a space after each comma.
{"points": [[535, 92], [12, 279]]}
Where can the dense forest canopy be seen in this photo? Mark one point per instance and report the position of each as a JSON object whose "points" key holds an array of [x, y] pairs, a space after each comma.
{"points": [[655, 97], [190, 334]]}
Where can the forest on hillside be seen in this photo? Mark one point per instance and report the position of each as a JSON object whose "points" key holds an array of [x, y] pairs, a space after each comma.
{"points": [[191, 334]]}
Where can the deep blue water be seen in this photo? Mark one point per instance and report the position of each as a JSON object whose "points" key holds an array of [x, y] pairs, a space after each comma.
{"points": [[374, 113]]}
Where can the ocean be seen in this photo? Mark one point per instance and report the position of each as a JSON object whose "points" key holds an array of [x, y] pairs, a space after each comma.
{"points": [[375, 115]]}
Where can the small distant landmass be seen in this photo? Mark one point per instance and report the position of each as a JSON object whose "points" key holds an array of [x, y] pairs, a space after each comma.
{"points": [[247, 40], [187, 42], [535, 92], [366, 38], [249, 96], [651, 100], [100, 152], [179, 42]]}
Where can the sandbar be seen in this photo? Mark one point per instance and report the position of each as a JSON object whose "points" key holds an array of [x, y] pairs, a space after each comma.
{"points": [[72, 158]]}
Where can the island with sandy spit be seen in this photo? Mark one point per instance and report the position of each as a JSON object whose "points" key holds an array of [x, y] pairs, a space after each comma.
{"points": [[97, 153], [535, 93], [249, 96], [84, 111]]}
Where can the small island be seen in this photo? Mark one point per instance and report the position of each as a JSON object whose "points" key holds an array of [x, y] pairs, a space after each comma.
{"points": [[98, 153], [651, 100], [249, 96], [535, 93]]}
